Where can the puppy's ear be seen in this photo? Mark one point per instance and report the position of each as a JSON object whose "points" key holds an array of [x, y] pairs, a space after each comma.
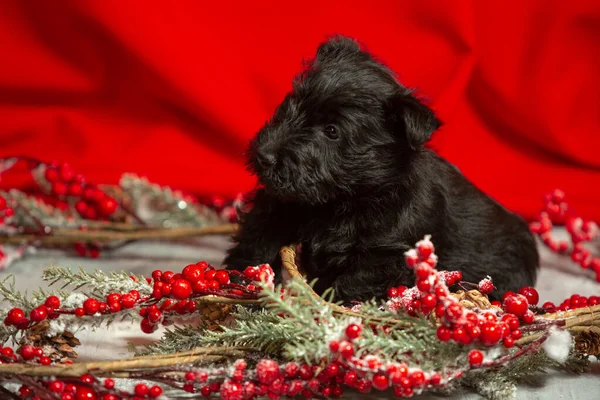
{"points": [[412, 119], [336, 47]]}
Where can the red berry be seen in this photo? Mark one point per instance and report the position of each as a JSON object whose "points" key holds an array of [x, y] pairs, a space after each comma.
{"points": [[155, 391], [56, 386], [516, 304], [52, 302], [490, 333], [428, 302], [528, 318], [75, 189], [232, 391], [91, 306], [381, 382], [424, 285], [222, 277], [193, 273], [454, 312], [107, 206], [486, 286], [350, 378], [475, 358], [59, 188], [444, 333], [593, 301], [94, 252], [250, 273], [39, 314], [425, 249], [505, 295], [210, 274], [417, 378], [51, 174], [267, 371], [422, 271], [45, 360], [392, 292], [205, 391], [15, 316], [291, 370], [109, 383], [2, 203], [141, 390], [127, 301], [27, 352], [306, 372], [508, 342], [353, 331], [334, 346], [530, 294], [79, 312], [460, 335], [346, 349], [181, 289]]}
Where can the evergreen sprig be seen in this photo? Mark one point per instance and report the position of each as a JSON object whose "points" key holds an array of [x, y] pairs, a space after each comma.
{"points": [[97, 282]]}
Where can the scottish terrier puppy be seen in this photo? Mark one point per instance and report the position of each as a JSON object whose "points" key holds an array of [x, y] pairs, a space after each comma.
{"points": [[343, 171]]}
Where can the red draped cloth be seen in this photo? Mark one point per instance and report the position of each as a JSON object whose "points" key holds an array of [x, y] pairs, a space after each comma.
{"points": [[174, 90]]}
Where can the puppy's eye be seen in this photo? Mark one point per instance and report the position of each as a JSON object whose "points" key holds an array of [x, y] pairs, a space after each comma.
{"points": [[331, 132]]}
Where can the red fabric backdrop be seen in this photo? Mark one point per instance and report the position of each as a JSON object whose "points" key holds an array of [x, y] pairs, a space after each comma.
{"points": [[174, 90]]}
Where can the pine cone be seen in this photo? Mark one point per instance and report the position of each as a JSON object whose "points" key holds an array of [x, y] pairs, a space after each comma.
{"points": [[588, 341], [215, 312], [59, 346], [473, 299]]}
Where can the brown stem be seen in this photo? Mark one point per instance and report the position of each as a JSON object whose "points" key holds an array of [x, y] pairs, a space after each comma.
{"points": [[69, 236], [106, 368]]}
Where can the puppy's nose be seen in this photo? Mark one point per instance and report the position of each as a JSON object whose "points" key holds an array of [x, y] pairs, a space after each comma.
{"points": [[266, 159]]}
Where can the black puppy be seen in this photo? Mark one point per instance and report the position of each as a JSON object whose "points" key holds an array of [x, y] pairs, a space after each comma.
{"points": [[345, 174]]}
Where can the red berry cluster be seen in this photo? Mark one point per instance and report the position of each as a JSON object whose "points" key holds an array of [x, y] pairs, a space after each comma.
{"points": [[431, 294], [557, 211], [5, 211], [16, 316], [90, 201], [91, 388], [572, 303]]}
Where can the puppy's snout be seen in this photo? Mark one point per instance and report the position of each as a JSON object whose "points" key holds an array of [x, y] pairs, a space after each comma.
{"points": [[266, 159]]}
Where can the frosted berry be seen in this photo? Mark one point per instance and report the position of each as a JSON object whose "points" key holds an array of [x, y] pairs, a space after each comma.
{"points": [[392, 292], [232, 391], [127, 301], [528, 318], [475, 358], [486, 286], [267, 371]]}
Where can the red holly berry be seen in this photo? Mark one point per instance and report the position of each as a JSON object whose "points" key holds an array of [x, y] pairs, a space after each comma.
{"points": [[346, 349], [424, 285], [508, 342], [291, 370], [14, 316], [52, 302], [516, 304], [490, 333], [51, 174], [417, 378], [91, 306], [140, 390], [486, 286], [267, 371], [392, 292], [45, 360], [107, 206], [147, 327], [381, 382], [528, 318], [75, 189], [109, 383], [127, 301], [334, 346], [193, 273], [232, 391], [475, 358], [59, 188], [425, 248], [79, 312], [454, 312], [423, 270], [39, 313], [353, 331], [155, 391], [222, 277], [530, 294], [411, 259], [181, 289], [27, 352]]}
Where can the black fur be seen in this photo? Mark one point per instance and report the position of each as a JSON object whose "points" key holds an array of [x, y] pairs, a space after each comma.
{"points": [[343, 172]]}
